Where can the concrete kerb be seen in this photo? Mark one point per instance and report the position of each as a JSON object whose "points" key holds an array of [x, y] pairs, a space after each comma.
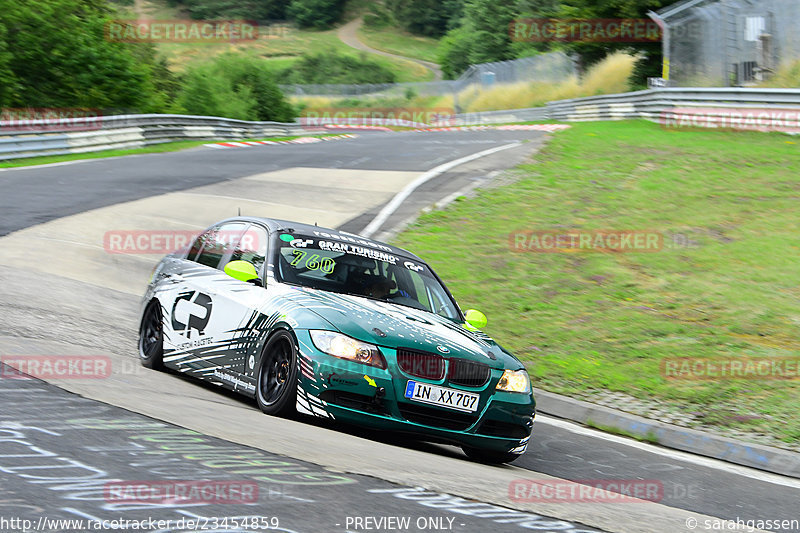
{"points": [[757, 456]]}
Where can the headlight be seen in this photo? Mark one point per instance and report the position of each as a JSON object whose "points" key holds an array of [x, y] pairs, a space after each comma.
{"points": [[515, 381], [339, 345]]}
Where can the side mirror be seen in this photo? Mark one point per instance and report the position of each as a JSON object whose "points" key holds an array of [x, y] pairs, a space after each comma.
{"points": [[475, 319], [243, 271]]}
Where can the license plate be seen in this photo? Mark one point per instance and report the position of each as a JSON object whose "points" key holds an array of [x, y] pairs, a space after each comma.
{"points": [[442, 396]]}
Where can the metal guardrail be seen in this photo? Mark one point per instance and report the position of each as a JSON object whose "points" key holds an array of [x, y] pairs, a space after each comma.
{"points": [[73, 136], [658, 105]]}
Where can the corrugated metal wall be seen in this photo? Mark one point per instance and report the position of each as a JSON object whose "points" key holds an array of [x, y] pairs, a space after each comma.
{"points": [[722, 43]]}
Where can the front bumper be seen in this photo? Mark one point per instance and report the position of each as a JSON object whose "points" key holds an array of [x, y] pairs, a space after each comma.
{"points": [[373, 397]]}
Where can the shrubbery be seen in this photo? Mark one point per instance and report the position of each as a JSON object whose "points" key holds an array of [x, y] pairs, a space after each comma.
{"points": [[53, 53], [234, 86], [336, 68]]}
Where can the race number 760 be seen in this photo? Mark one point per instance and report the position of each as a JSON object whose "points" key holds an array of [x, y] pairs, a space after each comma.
{"points": [[313, 261]]}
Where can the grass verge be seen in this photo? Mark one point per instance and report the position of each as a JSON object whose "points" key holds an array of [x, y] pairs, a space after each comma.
{"points": [[724, 287], [399, 42]]}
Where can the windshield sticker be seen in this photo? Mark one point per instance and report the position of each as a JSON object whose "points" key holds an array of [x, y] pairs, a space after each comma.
{"points": [[287, 238], [312, 262], [301, 243], [412, 266], [357, 250], [346, 238]]}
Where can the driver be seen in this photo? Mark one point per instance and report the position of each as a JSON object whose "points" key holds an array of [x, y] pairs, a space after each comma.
{"points": [[379, 289]]}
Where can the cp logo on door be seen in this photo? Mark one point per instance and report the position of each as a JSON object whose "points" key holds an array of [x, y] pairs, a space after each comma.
{"points": [[191, 310]]}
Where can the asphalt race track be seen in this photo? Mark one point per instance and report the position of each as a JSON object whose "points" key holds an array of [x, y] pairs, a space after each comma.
{"points": [[65, 294]]}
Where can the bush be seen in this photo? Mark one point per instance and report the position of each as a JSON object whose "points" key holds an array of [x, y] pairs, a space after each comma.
{"points": [[234, 86], [54, 53], [330, 67]]}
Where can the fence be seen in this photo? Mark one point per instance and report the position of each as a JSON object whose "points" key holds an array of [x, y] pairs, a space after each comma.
{"points": [[555, 66], [728, 42], [658, 105]]}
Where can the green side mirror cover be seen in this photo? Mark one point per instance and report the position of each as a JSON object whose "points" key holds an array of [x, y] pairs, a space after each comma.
{"points": [[476, 319], [241, 270]]}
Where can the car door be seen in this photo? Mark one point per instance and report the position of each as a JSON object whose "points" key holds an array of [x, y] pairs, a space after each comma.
{"points": [[234, 320], [196, 318]]}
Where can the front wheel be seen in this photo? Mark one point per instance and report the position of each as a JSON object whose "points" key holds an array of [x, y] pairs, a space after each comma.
{"points": [[489, 456], [276, 392], [151, 338]]}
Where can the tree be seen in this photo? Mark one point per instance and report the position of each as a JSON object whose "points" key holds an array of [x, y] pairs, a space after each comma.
{"points": [[482, 37], [8, 81], [55, 54], [426, 17], [261, 10], [318, 14]]}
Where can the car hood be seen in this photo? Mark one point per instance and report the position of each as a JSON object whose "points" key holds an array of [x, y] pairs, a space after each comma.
{"points": [[403, 327]]}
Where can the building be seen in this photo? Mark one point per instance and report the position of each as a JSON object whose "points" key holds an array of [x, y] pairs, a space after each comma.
{"points": [[728, 42]]}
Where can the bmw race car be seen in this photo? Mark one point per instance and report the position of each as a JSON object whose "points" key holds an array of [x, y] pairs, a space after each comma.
{"points": [[335, 325]]}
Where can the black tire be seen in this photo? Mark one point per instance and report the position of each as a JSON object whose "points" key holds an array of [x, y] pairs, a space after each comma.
{"points": [[151, 337], [276, 387], [490, 457]]}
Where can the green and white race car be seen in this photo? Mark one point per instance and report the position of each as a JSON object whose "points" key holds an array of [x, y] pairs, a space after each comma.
{"points": [[335, 325]]}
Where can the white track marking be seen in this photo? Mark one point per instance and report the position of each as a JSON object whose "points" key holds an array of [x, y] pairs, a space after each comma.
{"points": [[401, 197], [673, 454]]}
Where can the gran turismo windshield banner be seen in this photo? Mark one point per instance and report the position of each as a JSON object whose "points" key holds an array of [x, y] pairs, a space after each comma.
{"points": [[352, 265]]}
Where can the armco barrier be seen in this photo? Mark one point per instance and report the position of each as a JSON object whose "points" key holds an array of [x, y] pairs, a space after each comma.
{"points": [[132, 131], [39, 138], [659, 104]]}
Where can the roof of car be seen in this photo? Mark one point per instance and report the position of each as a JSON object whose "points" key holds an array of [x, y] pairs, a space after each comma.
{"points": [[274, 224]]}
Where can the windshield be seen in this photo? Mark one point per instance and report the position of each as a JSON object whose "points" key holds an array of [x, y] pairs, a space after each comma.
{"points": [[361, 270]]}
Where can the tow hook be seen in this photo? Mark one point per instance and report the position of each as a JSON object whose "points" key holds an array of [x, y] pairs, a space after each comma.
{"points": [[380, 393]]}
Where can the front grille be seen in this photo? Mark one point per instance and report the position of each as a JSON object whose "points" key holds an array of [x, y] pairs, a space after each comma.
{"points": [[468, 373], [436, 417], [421, 364], [504, 429]]}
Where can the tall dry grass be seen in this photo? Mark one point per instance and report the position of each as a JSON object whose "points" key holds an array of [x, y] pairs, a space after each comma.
{"points": [[612, 75], [787, 77], [609, 76]]}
